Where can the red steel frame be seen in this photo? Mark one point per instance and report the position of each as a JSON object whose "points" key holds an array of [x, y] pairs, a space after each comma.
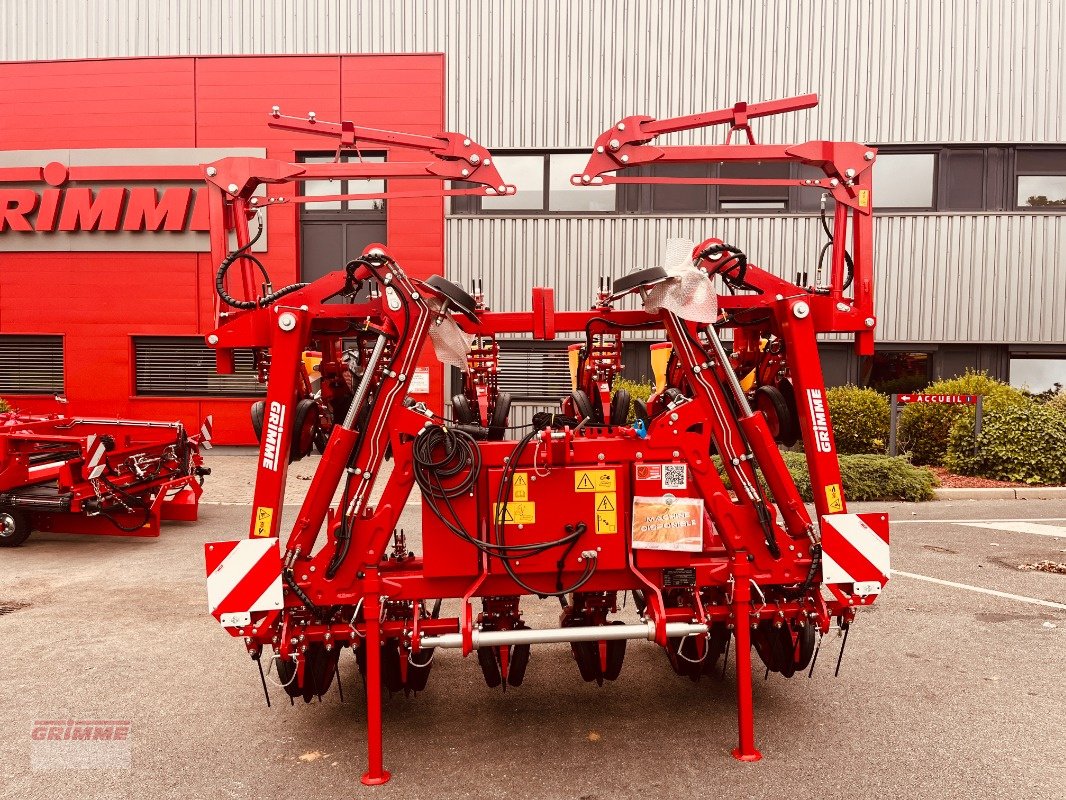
{"points": [[343, 587]]}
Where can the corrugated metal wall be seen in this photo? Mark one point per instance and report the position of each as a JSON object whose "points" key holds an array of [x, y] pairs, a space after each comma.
{"points": [[544, 74], [553, 73], [939, 277]]}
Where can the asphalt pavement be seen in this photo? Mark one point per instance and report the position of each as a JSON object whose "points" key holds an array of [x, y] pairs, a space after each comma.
{"points": [[952, 686]]}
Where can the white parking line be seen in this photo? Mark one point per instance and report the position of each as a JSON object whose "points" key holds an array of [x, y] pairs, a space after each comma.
{"points": [[982, 590], [969, 521], [1019, 527]]}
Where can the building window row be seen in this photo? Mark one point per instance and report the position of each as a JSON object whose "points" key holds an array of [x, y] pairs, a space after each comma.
{"points": [[905, 178]]}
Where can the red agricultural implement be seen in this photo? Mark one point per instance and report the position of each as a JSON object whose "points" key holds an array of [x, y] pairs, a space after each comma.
{"points": [[581, 506], [100, 476]]}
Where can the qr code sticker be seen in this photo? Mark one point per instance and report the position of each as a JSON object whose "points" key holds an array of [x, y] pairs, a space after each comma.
{"points": [[675, 476]]}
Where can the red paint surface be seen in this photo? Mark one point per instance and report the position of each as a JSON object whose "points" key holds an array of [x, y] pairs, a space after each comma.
{"points": [[99, 300]]}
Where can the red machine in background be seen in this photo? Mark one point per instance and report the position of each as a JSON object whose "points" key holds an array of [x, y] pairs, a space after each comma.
{"points": [[581, 507], [100, 476]]}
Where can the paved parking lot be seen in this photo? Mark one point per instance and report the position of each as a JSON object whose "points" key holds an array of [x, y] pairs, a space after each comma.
{"points": [[947, 691]]}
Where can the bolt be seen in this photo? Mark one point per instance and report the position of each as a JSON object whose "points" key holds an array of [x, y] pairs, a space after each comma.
{"points": [[312, 568], [488, 162], [599, 456], [869, 322], [621, 126], [310, 116], [503, 189], [475, 158], [287, 321], [275, 111], [211, 172], [586, 178], [801, 310], [599, 149], [868, 155], [849, 173], [232, 188], [677, 454], [834, 182], [625, 159], [212, 339], [614, 144], [466, 142], [674, 416], [640, 454], [466, 172]]}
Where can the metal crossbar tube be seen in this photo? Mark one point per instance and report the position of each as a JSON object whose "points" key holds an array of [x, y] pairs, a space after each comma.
{"points": [[586, 633]]}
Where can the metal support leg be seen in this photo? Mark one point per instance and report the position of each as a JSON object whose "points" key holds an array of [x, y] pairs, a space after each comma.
{"points": [[745, 749], [375, 774]]}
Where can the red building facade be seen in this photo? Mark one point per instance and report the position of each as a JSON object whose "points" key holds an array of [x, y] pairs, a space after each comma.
{"points": [[107, 285]]}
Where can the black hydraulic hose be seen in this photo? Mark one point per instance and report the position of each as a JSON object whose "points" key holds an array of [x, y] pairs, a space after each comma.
{"points": [[850, 273], [236, 255]]}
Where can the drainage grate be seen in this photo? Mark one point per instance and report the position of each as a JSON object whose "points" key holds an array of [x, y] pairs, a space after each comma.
{"points": [[9, 607]]}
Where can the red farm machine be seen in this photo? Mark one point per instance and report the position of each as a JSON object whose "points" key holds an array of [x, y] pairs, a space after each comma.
{"points": [[100, 476], [580, 505]]}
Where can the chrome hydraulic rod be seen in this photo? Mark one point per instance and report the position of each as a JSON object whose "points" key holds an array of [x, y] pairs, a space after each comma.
{"points": [[586, 633]]}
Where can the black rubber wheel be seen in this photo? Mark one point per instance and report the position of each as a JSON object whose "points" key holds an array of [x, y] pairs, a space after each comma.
{"points": [[418, 667], [804, 647], [634, 280], [258, 412], [791, 436], [672, 395], [771, 403], [305, 421], [640, 409], [587, 655], [500, 412], [462, 412], [620, 404], [14, 527], [616, 654], [582, 405], [516, 671], [463, 302], [490, 667]]}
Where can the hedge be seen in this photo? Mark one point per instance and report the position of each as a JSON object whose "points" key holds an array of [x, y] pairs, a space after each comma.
{"points": [[1023, 443], [638, 390], [865, 477], [925, 428], [860, 419], [4, 405]]}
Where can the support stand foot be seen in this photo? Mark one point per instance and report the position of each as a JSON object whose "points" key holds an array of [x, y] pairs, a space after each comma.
{"points": [[376, 780]]}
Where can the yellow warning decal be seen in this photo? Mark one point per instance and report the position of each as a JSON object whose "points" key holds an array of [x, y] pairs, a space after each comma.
{"points": [[594, 480], [607, 521], [606, 502], [864, 198], [263, 517], [516, 513], [833, 498], [520, 487]]}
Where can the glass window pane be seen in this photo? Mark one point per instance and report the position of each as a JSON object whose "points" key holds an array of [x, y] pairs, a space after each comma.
{"points": [[322, 188], [762, 170], [1037, 191], [898, 373], [564, 196], [526, 173], [1037, 374], [684, 197], [904, 180], [363, 186]]}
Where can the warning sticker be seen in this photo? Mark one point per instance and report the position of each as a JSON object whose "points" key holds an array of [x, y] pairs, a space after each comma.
{"points": [[594, 480], [668, 523], [606, 502], [864, 198], [516, 513], [520, 487], [263, 517], [606, 512], [833, 498]]}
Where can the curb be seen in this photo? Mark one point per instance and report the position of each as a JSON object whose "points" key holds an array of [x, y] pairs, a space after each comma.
{"points": [[1004, 493]]}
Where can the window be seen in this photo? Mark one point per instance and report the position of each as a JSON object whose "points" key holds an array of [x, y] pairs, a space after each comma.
{"points": [[1040, 178], [184, 366], [1038, 374], [31, 364], [904, 180], [745, 198], [897, 372], [543, 184], [324, 188]]}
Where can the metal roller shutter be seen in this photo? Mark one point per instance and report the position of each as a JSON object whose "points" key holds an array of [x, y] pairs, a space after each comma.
{"points": [[184, 366], [534, 370], [31, 364]]}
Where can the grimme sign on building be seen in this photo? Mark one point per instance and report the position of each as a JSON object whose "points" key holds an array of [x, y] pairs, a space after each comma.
{"points": [[132, 199]]}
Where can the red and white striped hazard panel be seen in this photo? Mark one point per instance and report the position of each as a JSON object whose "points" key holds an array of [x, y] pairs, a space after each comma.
{"points": [[206, 431], [855, 550], [95, 456], [243, 578]]}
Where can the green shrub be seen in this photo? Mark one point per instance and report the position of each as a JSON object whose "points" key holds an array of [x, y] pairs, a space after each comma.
{"points": [[638, 390], [865, 477], [924, 428], [1022, 443], [1058, 402], [860, 419], [4, 405]]}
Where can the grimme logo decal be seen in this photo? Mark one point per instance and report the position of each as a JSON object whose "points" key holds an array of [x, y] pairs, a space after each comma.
{"points": [[272, 436], [819, 421]]}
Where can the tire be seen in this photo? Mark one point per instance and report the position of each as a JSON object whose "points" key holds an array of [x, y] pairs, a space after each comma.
{"points": [[500, 412], [640, 407], [303, 430], [461, 410], [14, 527], [772, 404], [582, 405], [620, 404], [258, 412], [789, 393]]}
